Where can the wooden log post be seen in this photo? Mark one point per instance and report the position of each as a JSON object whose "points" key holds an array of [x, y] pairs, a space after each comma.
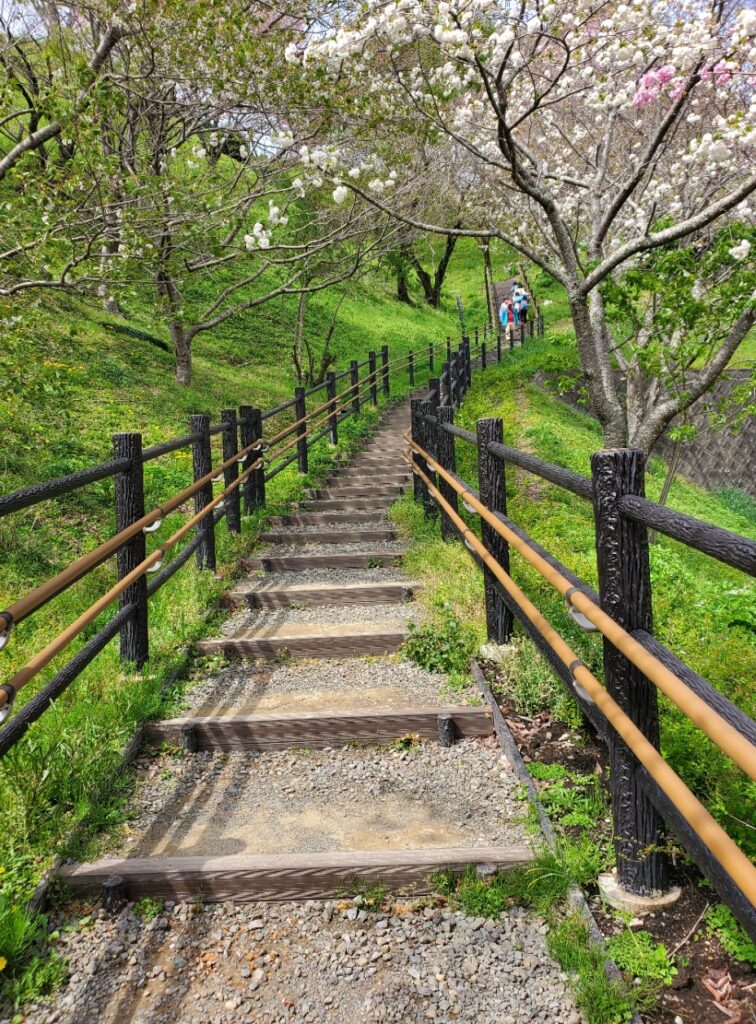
{"points": [[428, 441], [530, 327], [333, 424], [540, 325], [493, 494], [446, 457], [385, 370], [411, 368], [448, 350], [416, 434], [202, 464], [373, 378], [522, 335], [498, 346], [458, 380], [625, 593], [447, 733], [253, 487], [431, 358], [113, 894], [482, 355], [434, 394], [230, 442], [445, 390], [129, 507], [354, 380], [300, 411]]}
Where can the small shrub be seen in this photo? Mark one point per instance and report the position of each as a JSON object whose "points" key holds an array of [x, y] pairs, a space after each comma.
{"points": [[601, 999], [444, 645], [720, 922], [148, 908], [638, 954], [28, 968]]}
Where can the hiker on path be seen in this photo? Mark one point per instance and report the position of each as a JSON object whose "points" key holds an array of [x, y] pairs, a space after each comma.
{"points": [[508, 318], [521, 305]]}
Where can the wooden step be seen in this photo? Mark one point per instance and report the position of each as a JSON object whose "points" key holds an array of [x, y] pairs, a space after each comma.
{"points": [[284, 876], [329, 594], [316, 730], [316, 518], [343, 640], [347, 504], [331, 560], [329, 537], [377, 491]]}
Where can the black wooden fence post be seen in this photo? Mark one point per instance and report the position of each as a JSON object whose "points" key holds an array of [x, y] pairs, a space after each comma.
{"points": [[434, 394], [202, 464], [540, 325], [300, 411], [428, 441], [522, 335], [625, 592], [446, 457], [418, 485], [498, 345], [354, 380], [493, 494], [412, 370], [333, 426], [446, 378], [373, 379], [231, 447], [385, 370], [448, 350], [482, 355], [431, 358], [251, 431], [129, 507]]}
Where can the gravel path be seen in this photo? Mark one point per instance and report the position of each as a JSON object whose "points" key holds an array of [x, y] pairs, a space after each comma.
{"points": [[322, 685], [371, 798], [379, 522], [263, 618], [314, 963], [397, 547]]}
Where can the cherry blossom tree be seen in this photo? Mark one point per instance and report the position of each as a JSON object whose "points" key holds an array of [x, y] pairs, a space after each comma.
{"points": [[599, 132]]}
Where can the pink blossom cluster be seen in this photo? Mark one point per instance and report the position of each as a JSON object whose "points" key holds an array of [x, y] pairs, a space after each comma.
{"points": [[652, 83]]}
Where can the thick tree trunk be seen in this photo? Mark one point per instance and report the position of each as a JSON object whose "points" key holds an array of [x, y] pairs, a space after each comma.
{"points": [[598, 372], [402, 289], [182, 347]]}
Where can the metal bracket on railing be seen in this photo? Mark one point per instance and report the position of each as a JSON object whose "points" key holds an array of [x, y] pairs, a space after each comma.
{"points": [[579, 690], [577, 616], [469, 508], [7, 708], [154, 527], [6, 631]]}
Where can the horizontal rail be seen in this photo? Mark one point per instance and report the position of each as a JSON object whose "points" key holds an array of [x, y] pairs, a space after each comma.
{"points": [[689, 807], [575, 482], [455, 431], [725, 546], [166, 447], [277, 409], [32, 495], [286, 462], [724, 735], [42, 658], [12, 732]]}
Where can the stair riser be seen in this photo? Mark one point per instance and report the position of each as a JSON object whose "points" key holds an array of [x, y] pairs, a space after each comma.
{"points": [[330, 537], [358, 492], [285, 877], [328, 518], [345, 560], [305, 647], [317, 731], [387, 593], [344, 505]]}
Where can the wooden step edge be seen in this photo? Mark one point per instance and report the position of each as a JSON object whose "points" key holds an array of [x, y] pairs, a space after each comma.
{"points": [[328, 537], [284, 876], [333, 518], [317, 729], [345, 505], [329, 594], [334, 560], [342, 492], [346, 645]]}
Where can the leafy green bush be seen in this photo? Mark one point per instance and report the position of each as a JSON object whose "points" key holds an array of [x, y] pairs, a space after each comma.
{"points": [[720, 922], [28, 968], [601, 999], [442, 645], [638, 954]]}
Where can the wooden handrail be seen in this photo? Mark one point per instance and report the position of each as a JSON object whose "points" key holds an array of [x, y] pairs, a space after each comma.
{"points": [[732, 858], [724, 735]]}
